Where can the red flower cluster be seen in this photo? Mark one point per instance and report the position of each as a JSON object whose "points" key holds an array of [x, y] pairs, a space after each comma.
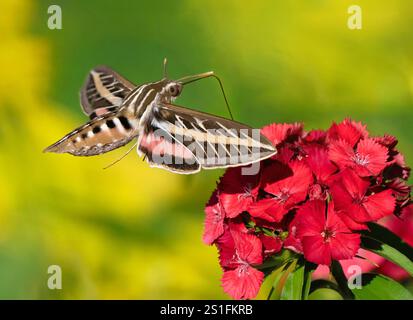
{"points": [[402, 226], [311, 197]]}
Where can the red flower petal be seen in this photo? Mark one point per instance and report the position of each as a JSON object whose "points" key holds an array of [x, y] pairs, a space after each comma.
{"points": [[319, 163], [248, 247], [271, 244], [344, 245], [237, 191], [234, 204], [285, 154], [242, 283], [315, 250], [278, 133], [311, 219], [350, 206], [214, 220], [397, 167], [238, 225], [387, 140], [316, 136], [293, 242], [370, 158], [348, 130], [341, 152], [400, 189], [355, 186], [293, 189], [226, 248], [351, 223], [317, 192], [380, 205], [334, 222], [269, 209]]}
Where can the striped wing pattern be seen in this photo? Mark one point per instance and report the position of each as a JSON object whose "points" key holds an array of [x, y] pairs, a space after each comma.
{"points": [[103, 91], [210, 141], [162, 151], [101, 134]]}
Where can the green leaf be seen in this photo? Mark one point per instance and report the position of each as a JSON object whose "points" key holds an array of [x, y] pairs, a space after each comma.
{"points": [[277, 261], [384, 235], [341, 279], [379, 287], [388, 252], [293, 287], [273, 295], [323, 284], [325, 294], [308, 272], [280, 279]]}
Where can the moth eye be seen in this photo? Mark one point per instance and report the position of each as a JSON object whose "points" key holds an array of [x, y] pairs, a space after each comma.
{"points": [[174, 90]]}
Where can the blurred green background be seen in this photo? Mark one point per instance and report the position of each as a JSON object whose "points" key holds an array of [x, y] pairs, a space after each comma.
{"points": [[135, 232]]}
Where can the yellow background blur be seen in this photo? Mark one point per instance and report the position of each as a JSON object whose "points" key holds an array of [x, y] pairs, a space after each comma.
{"points": [[135, 232]]}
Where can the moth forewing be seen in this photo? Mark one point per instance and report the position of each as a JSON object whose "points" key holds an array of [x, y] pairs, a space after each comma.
{"points": [[216, 142]]}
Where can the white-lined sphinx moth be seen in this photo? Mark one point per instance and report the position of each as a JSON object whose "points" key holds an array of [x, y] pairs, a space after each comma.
{"points": [[171, 137]]}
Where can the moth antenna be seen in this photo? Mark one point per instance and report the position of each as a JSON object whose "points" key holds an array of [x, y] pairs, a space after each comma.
{"points": [[190, 79], [116, 161], [223, 93], [165, 63]]}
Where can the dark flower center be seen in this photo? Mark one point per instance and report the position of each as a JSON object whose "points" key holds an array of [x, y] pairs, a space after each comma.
{"points": [[282, 196], [242, 264], [358, 200], [243, 268], [217, 214], [327, 234], [247, 193], [361, 160]]}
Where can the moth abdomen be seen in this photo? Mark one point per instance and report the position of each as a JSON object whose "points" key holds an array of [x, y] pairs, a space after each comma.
{"points": [[98, 136]]}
